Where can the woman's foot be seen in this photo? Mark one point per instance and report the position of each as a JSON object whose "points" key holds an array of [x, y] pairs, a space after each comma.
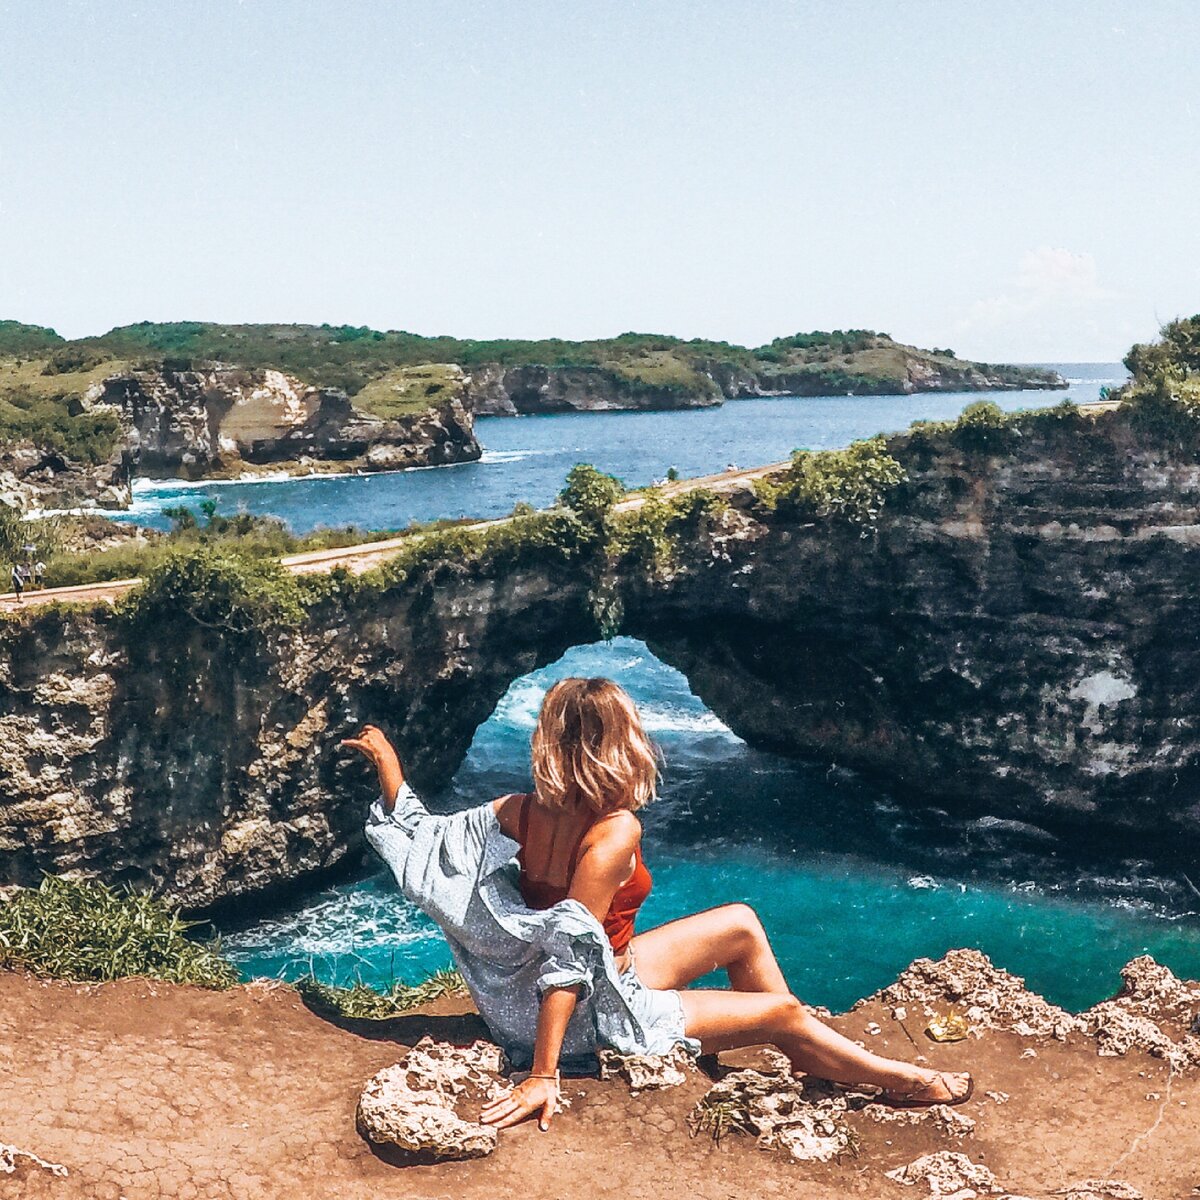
{"points": [[933, 1087]]}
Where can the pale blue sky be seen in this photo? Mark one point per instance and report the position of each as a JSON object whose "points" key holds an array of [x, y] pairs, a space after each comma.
{"points": [[1016, 180]]}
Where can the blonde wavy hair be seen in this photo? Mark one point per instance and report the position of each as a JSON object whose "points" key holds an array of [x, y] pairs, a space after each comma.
{"points": [[589, 748]]}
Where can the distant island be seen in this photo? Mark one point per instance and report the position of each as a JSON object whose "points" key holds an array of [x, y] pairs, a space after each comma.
{"points": [[80, 418]]}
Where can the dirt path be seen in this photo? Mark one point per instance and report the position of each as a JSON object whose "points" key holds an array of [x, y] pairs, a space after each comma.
{"points": [[355, 559], [155, 1092]]}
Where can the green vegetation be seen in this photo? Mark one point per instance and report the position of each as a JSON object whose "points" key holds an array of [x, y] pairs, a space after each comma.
{"points": [[55, 423], [1163, 398], [850, 485], [41, 402], [356, 357], [85, 931], [590, 493], [409, 390], [651, 534], [557, 534], [16, 532], [26, 341], [363, 1001], [985, 428], [257, 537], [216, 587]]}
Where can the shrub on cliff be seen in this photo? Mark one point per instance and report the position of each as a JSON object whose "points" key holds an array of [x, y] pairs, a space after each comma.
{"points": [[984, 427], [216, 587], [649, 535], [850, 485], [1163, 399], [557, 535], [66, 929], [55, 423], [590, 493]]}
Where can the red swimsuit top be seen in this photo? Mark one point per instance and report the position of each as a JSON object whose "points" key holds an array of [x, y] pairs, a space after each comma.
{"points": [[618, 922]]}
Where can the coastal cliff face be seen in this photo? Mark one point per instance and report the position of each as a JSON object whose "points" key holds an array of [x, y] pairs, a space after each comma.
{"points": [[1015, 636], [499, 391], [36, 477], [197, 423]]}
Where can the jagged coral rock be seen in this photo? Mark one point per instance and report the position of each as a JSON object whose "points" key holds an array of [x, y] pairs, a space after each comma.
{"points": [[1156, 991], [947, 1173], [989, 997], [1102, 1189], [953, 1122], [1151, 995], [413, 1104], [646, 1072], [803, 1117], [14, 1160]]}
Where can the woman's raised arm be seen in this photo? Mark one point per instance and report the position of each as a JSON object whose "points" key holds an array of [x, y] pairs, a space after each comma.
{"points": [[371, 742]]}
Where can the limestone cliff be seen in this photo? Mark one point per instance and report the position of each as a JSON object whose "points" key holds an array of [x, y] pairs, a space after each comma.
{"points": [[494, 390], [217, 419], [885, 370], [38, 477], [1015, 636]]}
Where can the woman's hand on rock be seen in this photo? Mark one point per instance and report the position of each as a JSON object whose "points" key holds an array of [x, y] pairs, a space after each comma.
{"points": [[532, 1095], [372, 742]]}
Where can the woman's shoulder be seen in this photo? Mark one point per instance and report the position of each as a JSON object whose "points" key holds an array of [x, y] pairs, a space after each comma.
{"points": [[508, 810], [616, 831]]}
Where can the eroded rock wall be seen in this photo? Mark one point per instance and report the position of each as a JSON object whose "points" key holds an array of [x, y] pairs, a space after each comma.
{"points": [[1016, 637], [199, 422]]}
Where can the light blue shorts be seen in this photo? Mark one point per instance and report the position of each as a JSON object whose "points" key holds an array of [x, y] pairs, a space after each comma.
{"points": [[659, 1013]]}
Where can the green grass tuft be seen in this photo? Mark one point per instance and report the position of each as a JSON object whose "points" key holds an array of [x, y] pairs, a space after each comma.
{"points": [[88, 932], [360, 1000]]}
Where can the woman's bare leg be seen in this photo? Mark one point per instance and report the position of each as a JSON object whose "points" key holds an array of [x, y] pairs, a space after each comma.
{"points": [[730, 938], [728, 1020]]}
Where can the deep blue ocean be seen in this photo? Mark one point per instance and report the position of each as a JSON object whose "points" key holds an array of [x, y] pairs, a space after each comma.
{"points": [[851, 885]]}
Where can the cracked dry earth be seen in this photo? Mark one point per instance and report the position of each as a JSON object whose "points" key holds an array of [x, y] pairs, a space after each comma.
{"points": [[150, 1091]]}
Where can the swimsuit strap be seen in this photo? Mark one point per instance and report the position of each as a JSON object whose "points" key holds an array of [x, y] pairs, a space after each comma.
{"points": [[523, 819]]}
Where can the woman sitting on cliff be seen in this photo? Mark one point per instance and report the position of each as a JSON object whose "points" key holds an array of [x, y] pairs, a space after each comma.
{"points": [[537, 896]]}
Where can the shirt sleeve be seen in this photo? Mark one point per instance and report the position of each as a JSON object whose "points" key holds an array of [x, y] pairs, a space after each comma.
{"points": [[390, 833], [573, 952]]}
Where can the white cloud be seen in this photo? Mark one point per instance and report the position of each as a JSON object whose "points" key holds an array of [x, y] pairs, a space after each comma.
{"points": [[1051, 284]]}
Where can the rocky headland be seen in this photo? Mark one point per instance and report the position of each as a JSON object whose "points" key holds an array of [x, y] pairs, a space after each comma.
{"points": [[149, 1090], [221, 420], [79, 419]]}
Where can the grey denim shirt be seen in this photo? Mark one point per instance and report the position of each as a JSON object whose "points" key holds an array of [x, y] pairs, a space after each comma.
{"points": [[460, 870]]}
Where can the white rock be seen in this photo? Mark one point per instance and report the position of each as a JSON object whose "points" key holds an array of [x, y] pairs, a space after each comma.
{"points": [[413, 1104]]}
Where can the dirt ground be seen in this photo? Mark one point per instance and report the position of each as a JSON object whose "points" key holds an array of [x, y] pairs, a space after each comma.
{"points": [[148, 1091]]}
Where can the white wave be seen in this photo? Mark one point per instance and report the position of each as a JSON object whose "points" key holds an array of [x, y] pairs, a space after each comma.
{"points": [[507, 456], [520, 707], [923, 883], [345, 924], [91, 510]]}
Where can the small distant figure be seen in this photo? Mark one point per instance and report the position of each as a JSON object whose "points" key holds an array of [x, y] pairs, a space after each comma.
{"points": [[39, 573], [732, 466], [18, 581]]}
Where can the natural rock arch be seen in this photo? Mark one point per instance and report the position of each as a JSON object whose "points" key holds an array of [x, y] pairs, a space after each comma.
{"points": [[1017, 634]]}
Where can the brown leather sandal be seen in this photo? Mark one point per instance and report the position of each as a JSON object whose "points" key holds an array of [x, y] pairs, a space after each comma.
{"points": [[919, 1097]]}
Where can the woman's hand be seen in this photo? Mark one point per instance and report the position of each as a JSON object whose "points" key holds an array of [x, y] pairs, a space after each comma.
{"points": [[371, 742], [529, 1096]]}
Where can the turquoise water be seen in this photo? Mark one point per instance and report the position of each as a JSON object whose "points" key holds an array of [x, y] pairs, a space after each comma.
{"points": [[850, 885], [526, 458]]}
